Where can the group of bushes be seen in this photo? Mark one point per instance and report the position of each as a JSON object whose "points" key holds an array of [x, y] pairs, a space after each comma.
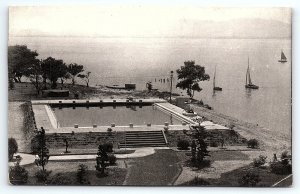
{"points": [[282, 166], [183, 144], [18, 175]]}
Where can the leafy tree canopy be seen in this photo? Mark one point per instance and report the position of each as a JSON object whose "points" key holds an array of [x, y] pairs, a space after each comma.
{"points": [[53, 69], [20, 58], [189, 75]]}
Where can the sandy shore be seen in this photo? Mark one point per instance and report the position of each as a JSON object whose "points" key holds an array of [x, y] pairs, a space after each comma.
{"points": [[272, 141]]}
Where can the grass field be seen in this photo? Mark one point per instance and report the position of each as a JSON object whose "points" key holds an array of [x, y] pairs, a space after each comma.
{"points": [[159, 169], [116, 174]]}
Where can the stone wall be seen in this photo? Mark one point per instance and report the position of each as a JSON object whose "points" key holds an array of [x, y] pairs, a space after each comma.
{"points": [[90, 140]]}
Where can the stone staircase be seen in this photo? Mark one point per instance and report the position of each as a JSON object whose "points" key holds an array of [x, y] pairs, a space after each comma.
{"points": [[135, 139]]}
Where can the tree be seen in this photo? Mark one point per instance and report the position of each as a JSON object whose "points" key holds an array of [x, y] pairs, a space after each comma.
{"points": [[189, 75], [53, 69], [199, 148], [43, 152], [18, 175], [149, 86], [35, 75], [82, 175], [193, 151], [196, 87], [101, 159], [19, 59], [74, 69], [85, 77], [12, 148]]}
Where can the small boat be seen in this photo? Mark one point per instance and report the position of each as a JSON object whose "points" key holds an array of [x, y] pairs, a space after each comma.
{"points": [[126, 87], [283, 58], [214, 83], [249, 83]]}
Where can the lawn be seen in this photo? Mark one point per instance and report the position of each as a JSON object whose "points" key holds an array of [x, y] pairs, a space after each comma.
{"points": [[116, 174], [159, 169], [232, 178], [227, 155]]}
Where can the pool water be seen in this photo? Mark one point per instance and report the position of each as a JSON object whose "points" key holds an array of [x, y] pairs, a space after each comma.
{"points": [[106, 115]]}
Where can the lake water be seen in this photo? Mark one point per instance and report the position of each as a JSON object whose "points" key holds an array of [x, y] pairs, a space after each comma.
{"points": [[106, 115], [138, 60]]}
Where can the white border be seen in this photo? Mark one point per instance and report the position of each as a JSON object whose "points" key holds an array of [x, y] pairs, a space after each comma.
{"points": [[5, 188]]}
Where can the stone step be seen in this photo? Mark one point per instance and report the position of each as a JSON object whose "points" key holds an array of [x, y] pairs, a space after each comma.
{"points": [[143, 145], [144, 136], [144, 139]]}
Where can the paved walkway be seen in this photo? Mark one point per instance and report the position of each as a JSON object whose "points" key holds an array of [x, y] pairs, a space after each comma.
{"points": [[41, 117], [139, 152]]}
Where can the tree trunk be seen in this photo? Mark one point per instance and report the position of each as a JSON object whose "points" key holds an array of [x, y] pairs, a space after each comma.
{"points": [[62, 81], [73, 80], [53, 85], [37, 86], [19, 79], [44, 83]]}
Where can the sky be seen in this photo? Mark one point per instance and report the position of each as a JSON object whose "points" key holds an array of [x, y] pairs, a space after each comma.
{"points": [[130, 21]]}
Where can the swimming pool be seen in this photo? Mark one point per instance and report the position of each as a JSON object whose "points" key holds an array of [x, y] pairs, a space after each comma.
{"points": [[106, 115]]}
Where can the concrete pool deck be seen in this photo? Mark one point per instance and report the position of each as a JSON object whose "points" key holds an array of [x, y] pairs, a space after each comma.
{"points": [[45, 117], [98, 101]]}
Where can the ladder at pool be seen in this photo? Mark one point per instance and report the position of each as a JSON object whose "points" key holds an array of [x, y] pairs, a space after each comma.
{"points": [[136, 139]]}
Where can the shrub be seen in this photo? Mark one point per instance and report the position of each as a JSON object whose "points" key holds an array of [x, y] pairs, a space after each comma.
{"points": [[18, 175], [108, 147], [35, 146], [166, 129], [197, 182], [261, 160], [250, 179], [202, 164], [214, 144], [285, 158], [112, 159], [12, 148], [183, 144], [281, 168], [200, 102], [253, 143], [184, 131], [42, 175], [109, 131], [60, 179], [82, 175]]}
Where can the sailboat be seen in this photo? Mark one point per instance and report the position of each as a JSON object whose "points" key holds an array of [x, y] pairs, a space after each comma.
{"points": [[249, 83], [214, 82], [283, 58]]}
